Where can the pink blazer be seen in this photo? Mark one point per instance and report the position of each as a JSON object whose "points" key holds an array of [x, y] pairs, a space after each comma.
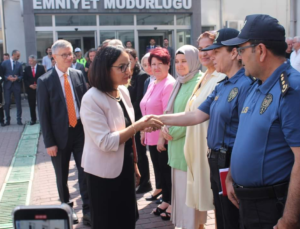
{"points": [[102, 117]]}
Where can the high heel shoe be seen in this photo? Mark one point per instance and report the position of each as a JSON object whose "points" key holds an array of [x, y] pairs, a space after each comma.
{"points": [[158, 211], [151, 198], [166, 217]]}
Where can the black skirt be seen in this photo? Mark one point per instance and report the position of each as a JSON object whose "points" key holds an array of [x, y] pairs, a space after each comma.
{"points": [[113, 201]]}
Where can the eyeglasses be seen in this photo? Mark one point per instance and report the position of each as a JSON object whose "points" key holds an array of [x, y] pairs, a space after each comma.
{"points": [[241, 49], [123, 67], [65, 55]]}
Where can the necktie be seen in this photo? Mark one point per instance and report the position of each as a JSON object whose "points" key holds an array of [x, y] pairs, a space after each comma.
{"points": [[70, 102], [14, 65], [33, 72]]}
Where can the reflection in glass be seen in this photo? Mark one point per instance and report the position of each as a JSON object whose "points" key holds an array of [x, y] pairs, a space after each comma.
{"points": [[183, 37], [117, 19], [155, 19], [43, 41], [125, 36], [104, 35], [73, 20], [43, 20], [183, 19]]}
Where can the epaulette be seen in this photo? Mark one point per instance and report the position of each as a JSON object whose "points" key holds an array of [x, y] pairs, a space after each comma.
{"points": [[284, 83]]}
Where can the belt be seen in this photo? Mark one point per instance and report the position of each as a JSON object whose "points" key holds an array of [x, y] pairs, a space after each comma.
{"points": [[212, 153], [268, 192]]}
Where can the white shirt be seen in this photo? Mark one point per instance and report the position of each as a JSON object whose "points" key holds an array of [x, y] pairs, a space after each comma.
{"points": [[12, 63], [47, 62], [74, 65], [34, 68], [295, 60], [62, 81]]}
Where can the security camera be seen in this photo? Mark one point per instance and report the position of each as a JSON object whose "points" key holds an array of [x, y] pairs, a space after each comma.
{"points": [[76, 29], [155, 28]]}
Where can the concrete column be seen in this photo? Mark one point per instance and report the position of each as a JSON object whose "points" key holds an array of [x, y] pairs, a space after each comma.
{"points": [[196, 22], [29, 29]]}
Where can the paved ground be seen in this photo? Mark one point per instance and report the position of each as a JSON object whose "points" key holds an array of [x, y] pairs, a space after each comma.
{"points": [[44, 190]]}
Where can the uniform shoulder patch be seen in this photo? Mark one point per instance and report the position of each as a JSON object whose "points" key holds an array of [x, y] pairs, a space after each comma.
{"points": [[266, 103], [284, 83], [233, 93]]}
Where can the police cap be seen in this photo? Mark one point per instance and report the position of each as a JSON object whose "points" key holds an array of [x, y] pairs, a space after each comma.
{"points": [[258, 27], [222, 35]]}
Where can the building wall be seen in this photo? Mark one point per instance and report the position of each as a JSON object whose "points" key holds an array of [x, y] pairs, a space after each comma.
{"points": [[14, 27], [238, 9]]}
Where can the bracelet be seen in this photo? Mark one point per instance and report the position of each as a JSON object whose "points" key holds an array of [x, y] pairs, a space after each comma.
{"points": [[133, 128]]}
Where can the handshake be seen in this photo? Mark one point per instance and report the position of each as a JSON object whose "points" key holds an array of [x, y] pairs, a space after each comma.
{"points": [[149, 123]]}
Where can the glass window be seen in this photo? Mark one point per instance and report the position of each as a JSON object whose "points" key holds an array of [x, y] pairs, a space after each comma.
{"points": [[183, 37], [43, 41], [116, 19], [75, 20], [183, 19], [125, 36], [207, 28], [104, 35], [43, 20], [155, 19]]}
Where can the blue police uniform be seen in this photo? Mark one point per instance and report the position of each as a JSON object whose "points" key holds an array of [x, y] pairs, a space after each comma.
{"points": [[269, 126], [224, 105]]}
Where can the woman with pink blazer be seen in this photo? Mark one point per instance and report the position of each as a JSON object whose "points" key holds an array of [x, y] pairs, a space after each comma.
{"points": [[109, 159]]}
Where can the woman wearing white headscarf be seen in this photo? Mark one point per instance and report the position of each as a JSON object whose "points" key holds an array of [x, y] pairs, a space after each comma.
{"points": [[187, 66]]}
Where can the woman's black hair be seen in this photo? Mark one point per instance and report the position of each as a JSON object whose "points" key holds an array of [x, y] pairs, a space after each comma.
{"points": [[99, 74]]}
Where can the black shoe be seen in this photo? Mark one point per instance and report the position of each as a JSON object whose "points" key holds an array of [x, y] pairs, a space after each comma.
{"points": [[32, 122], [151, 198], [158, 211], [7, 123], [74, 217], [143, 189], [86, 219], [20, 123], [159, 201], [2, 124], [166, 217]]}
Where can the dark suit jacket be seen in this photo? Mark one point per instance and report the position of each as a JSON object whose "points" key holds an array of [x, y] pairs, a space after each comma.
{"points": [[29, 79], [80, 67], [52, 106], [148, 48], [136, 90], [146, 84], [7, 70]]}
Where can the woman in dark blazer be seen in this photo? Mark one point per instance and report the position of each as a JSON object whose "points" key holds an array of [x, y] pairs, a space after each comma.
{"points": [[136, 89]]}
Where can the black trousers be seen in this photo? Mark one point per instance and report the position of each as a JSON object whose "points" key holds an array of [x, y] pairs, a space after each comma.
{"points": [[7, 96], [61, 166], [260, 213], [227, 214], [165, 180], [143, 163], [1, 106], [32, 104]]}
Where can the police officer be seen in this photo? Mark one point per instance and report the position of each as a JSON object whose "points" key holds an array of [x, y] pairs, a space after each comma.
{"points": [[264, 180], [222, 107]]}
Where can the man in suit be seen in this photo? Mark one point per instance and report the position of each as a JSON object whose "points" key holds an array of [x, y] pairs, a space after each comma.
{"points": [[31, 75], [13, 75], [1, 99], [59, 94], [78, 66], [151, 46]]}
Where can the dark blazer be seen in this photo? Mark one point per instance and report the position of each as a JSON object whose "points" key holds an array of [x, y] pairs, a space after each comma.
{"points": [[81, 67], [146, 84], [52, 106], [136, 90], [148, 48], [7, 70], [28, 77]]}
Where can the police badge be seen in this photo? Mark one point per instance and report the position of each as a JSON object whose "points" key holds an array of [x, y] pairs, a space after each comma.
{"points": [[233, 93], [266, 103]]}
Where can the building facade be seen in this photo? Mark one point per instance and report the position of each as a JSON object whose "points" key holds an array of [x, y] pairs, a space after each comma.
{"points": [[33, 25]]}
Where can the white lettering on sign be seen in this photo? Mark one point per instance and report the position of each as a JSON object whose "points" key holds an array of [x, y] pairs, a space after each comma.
{"points": [[112, 4], [64, 4]]}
